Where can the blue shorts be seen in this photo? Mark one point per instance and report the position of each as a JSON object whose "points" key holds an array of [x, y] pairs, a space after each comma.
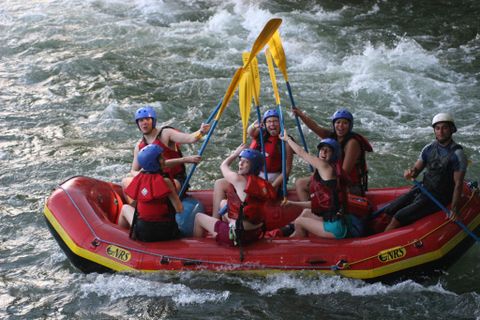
{"points": [[337, 228]]}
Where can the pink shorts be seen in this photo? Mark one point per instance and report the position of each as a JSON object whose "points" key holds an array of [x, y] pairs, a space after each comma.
{"points": [[222, 229]]}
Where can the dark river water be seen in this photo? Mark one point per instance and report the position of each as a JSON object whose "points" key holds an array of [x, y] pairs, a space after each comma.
{"points": [[72, 73]]}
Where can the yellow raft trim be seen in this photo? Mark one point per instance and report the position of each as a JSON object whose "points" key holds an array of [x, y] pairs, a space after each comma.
{"points": [[81, 252], [357, 274]]}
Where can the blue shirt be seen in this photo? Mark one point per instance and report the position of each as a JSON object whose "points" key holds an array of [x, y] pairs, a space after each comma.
{"points": [[458, 159]]}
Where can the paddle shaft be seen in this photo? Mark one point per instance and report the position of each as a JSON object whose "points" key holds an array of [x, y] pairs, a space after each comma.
{"points": [[297, 121], [284, 158], [445, 210], [262, 145], [214, 112], [200, 153]]}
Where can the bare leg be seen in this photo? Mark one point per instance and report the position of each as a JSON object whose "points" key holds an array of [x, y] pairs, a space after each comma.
{"points": [[125, 182], [219, 193], [204, 222], [126, 216], [302, 186], [310, 223]]}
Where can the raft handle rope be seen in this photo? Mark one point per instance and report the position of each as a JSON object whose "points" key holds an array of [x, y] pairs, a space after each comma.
{"points": [[418, 242], [166, 259]]}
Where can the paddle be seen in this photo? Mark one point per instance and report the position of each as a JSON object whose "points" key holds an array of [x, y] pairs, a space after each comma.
{"points": [[226, 99], [262, 39], [278, 54], [245, 92], [255, 80], [271, 71], [445, 210], [268, 31]]}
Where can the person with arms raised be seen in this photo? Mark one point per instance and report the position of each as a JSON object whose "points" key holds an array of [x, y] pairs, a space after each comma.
{"points": [[246, 196], [324, 214], [273, 156], [170, 140], [354, 148]]}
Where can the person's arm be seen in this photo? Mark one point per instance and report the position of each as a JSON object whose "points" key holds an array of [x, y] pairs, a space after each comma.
{"points": [[311, 124], [413, 172], [289, 161], [352, 153], [173, 197], [253, 130], [303, 204], [230, 175], [135, 165], [458, 177], [175, 161], [169, 134], [314, 161]]}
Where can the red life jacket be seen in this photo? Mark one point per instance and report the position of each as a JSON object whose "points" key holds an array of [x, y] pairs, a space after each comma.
{"points": [[273, 152], [258, 192], [324, 195], [359, 173], [151, 192], [168, 153]]}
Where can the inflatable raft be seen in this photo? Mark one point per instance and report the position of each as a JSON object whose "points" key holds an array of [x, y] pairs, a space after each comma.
{"points": [[82, 213]]}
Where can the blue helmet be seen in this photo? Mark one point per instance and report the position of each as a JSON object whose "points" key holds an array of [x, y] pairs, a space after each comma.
{"points": [[270, 113], [342, 114], [146, 112], [334, 145], [256, 159], [148, 157]]}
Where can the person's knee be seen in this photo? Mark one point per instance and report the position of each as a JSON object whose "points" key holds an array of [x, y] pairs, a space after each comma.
{"points": [[126, 182], [220, 184], [301, 183]]}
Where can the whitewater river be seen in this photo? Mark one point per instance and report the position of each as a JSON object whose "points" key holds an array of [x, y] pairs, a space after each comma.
{"points": [[72, 73]]}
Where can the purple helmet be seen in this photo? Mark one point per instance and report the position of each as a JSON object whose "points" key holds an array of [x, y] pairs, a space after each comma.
{"points": [[342, 114], [146, 112], [148, 157], [256, 159], [334, 145]]}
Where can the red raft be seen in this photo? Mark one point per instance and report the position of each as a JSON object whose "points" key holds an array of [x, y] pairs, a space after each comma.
{"points": [[81, 214]]}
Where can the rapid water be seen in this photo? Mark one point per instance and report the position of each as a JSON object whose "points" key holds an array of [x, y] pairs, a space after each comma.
{"points": [[72, 73]]}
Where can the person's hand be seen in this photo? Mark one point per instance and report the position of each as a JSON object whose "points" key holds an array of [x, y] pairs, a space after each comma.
{"points": [[193, 159], [239, 149], [409, 174], [285, 202], [204, 128], [284, 136], [297, 112], [453, 215]]}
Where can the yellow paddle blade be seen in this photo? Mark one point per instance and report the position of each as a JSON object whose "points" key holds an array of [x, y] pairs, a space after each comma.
{"points": [[230, 91], [263, 38], [254, 76], [276, 49], [271, 71], [245, 101]]}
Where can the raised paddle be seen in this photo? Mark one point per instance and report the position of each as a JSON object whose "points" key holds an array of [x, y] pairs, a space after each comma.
{"points": [[262, 39], [271, 71], [228, 96], [255, 80], [445, 210], [268, 31], [245, 92], [278, 54]]}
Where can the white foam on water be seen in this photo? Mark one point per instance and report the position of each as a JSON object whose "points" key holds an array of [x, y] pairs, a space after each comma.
{"points": [[120, 286], [324, 284]]}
